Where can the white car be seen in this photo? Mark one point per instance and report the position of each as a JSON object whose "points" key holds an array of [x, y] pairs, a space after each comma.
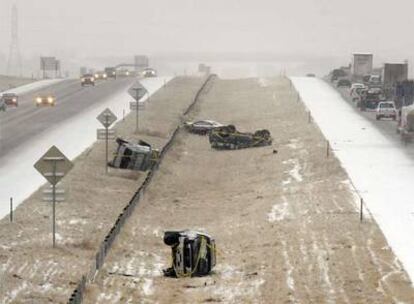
{"points": [[386, 109], [356, 85], [201, 127]]}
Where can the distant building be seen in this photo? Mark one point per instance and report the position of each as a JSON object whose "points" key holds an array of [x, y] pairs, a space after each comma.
{"points": [[393, 73], [362, 64]]}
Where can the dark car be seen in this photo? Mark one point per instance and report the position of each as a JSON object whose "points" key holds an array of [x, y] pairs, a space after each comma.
{"points": [[88, 79], [10, 99], [342, 83], [110, 72], [310, 75]]}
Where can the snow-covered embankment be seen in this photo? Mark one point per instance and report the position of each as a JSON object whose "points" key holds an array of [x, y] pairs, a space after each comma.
{"points": [[380, 170], [19, 179]]}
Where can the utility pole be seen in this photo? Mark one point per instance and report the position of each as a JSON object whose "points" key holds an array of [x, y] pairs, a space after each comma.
{"points": [[14, 63]]}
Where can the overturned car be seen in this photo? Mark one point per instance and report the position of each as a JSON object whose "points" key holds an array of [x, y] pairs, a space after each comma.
{"points": [[141, 156], [229, 138], [201, 127], [193, 253]]}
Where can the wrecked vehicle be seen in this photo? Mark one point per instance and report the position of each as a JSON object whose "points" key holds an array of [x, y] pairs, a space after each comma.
{"points": [[201, 127], [132, 156], [193, 253], [229, 138]]}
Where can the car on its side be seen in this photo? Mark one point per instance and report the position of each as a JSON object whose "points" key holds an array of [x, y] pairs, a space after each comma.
{"points": [[202, 127], [87, 79], [386, 109], [45, 100], [10, 99], [343, 83]]}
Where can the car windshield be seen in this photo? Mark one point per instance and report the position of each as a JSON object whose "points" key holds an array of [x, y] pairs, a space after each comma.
{"points": [[386, 106]]}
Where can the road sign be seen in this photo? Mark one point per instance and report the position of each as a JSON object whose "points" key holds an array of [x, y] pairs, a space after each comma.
{"points": [[133, 105], [59, 194], [53, 165], [101, 134], [107, 118], [48, 63], [137, 91]]}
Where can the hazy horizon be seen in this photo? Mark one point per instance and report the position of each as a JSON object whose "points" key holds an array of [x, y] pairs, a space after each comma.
{"points": [[296, 30]]}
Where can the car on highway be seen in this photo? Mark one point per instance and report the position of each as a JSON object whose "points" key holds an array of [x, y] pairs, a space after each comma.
{"points": [[10, 99], [201, 127], [100, 75], [88, 79], [344, 83], [370, 99], [45, 100], [356, 85], [386, 109], [310, 75], [123, 73], [110, 72], [148, 72], [357, 93]]}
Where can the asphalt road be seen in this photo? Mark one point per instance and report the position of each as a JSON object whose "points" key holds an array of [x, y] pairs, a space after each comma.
{"points": [[387, 127], [18, 125]]}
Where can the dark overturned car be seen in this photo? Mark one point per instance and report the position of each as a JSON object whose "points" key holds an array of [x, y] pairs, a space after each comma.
{"points": [[228, 138], [201, 127], [140, 156]]}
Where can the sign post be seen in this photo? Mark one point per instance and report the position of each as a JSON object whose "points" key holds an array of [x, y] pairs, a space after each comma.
{"points": [[53, 165], [137, 92], [106, 118]]}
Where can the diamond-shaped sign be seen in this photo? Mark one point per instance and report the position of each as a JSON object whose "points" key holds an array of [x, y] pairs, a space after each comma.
{"points": [[107, 118], [137, 91], [53, 165]]}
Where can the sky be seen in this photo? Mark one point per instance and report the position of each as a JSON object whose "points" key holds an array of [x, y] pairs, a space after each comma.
{"points": [[297, 28]]}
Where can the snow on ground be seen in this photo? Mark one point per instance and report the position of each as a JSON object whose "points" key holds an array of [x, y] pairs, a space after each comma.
{"points": [[72, 137], [380, 170], [33, 86]]}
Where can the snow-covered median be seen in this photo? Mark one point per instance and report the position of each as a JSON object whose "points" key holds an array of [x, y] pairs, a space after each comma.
{"points": [[18, 178], [380, 169], [27, 88]]}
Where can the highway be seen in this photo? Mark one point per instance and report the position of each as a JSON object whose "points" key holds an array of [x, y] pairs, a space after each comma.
{"points": [[386, 126], [18, 125]]}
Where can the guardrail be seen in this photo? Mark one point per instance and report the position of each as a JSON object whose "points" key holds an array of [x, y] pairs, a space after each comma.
{"points": [[78, 293]]}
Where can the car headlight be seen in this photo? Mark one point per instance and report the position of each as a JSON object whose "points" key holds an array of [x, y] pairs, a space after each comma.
{"points": [[127, 73], [104, 75], [92, 79], [14, 99], [96, 75], [50, 99], [39, 100]]}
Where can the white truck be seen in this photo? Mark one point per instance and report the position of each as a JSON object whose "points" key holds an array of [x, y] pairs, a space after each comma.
{"points": [[406, 123]]}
